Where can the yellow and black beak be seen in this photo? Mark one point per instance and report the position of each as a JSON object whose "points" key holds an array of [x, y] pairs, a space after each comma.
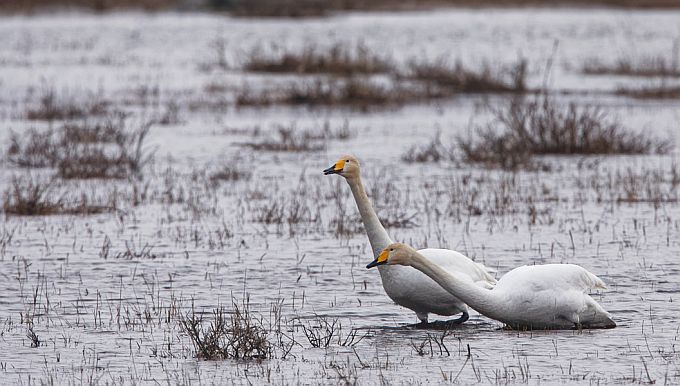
{"points": [[380, 260], [335, 169]]}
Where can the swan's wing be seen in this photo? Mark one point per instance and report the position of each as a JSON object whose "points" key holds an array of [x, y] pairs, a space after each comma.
{"points": [[551, 276], [457, 263]]}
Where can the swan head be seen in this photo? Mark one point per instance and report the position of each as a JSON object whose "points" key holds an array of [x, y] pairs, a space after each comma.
{"points": [[346, 166], [394, 254]]}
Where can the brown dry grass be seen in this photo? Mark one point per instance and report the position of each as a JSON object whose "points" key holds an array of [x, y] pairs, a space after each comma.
{"points": [[651, 92], [50, 107], [355, 92], [522, 130], [32, 197], [338, 60], [433, 151], [316, 8], [237, 336], [95, 5], [659, 66], [108, 149], [309, 8], [457, 78]]}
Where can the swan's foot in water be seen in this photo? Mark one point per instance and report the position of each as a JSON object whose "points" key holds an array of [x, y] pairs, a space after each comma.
{"points": [[442, 324]]}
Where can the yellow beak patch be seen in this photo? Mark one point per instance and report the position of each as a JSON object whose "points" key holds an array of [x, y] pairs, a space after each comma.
{"points": [[382, 257], [339, 165]]}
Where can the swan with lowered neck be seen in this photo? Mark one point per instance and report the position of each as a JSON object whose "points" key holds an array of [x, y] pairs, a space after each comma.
{"points": [[551, 296], [407, 286]]}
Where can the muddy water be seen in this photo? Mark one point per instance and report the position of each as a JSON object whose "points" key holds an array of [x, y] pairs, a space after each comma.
{"points": [[104, 293]]}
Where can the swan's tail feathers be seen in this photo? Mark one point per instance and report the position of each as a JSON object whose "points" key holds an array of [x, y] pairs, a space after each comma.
{"points": [[485, 276], [595, 282]]}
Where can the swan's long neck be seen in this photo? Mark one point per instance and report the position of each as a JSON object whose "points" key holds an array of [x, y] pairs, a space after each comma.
{"points": [[485, 301], [377, 235]]}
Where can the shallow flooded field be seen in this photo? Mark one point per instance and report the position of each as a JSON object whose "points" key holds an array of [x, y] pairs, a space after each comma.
{"points": [[225, 205]]}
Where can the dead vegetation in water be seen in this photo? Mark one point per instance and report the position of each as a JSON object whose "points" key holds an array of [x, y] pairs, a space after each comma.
{"points": [[338, 59], [522, 130], [433, 151], [84, 150], [34, 197], [316, 8], [50, 107], [422, 81], [292, 139], [237, 335], [352, 92], [650, 66], [456, 78], [661, 91], [28, 6]]}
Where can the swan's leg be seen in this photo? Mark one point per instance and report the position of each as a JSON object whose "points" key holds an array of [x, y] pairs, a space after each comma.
{"points": [[446, 324], [423, 321], [463, 318]]}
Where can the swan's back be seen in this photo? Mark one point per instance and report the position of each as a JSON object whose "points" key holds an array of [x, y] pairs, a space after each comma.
{"points": [[562, 277], [551, 296], [456, 263]]}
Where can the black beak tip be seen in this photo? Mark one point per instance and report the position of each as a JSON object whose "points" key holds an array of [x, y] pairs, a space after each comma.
{"points": [[330, 170], [372, 264]]}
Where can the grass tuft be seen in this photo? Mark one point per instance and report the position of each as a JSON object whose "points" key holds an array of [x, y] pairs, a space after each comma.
{"points": [[336, 60], [434, 151], [51, 108], [236, 336], [84, 150], [28, 197], [657, 66], [458, 79], [522, 130]]}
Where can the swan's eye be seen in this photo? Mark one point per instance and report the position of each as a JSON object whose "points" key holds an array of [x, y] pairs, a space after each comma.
{"points": [[346, 160], [391, 249]]}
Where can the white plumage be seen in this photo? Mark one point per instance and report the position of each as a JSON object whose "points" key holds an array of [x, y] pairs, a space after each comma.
{"points": [[551, 296], [414, 290], [407, 286]]}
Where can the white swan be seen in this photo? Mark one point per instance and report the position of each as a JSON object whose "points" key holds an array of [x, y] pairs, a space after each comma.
{"points": [[404, 285], [551, 296]]}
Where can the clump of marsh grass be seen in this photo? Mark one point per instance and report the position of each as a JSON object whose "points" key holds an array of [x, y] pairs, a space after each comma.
{"points": [[337, 60], [288, 140], [291, 139], [433, 151], [238, 335], [33, 197], [107, 149], [353, 92], [650, 66], [50, 108], [457, 78], [662, 91], [230, 172], [522, 130], [39, 150]]}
